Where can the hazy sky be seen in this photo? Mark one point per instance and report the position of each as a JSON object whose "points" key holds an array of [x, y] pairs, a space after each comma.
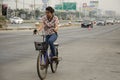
{"points": [[104, 4]]}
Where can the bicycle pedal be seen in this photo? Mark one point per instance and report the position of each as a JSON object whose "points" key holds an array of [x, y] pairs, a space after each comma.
{"points": [[54, 59]]}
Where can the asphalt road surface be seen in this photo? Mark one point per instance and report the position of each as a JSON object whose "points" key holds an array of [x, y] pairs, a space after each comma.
{"points": [[87, 54]]}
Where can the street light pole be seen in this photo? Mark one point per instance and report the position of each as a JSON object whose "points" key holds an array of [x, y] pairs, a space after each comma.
{"points": [[23, 4], [61, 2], [62, 8], [34, 4], [34, 8], [98, 9]]}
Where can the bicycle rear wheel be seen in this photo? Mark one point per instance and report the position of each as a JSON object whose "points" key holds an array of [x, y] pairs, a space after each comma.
{"points": [[42, 65], [54, 63]]}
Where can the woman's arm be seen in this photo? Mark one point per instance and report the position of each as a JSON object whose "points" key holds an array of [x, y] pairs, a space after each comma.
{"points": [[56, 24], [40, 27], [56, 27]]}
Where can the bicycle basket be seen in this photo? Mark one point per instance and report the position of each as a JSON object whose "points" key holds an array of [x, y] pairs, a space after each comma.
{"points": [[41, 45]]}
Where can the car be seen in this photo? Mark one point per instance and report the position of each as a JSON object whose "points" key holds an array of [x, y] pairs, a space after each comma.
{"points": [[87, 24], [117, 21], [110, 21], [16, 20], [101, 22]]}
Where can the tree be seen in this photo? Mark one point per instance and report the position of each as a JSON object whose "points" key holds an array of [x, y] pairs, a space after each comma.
{"points": [[37, 13], [3, 23]]}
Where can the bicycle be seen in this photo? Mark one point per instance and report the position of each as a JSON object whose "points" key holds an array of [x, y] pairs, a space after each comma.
{"points": [[45, 58]]}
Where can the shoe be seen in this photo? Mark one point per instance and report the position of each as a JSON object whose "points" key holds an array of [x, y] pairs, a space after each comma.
{"points": [[54, 58], [42, 66]]}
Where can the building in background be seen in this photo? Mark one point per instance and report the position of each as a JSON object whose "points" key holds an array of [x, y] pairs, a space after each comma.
{"points": [[110, 13]]}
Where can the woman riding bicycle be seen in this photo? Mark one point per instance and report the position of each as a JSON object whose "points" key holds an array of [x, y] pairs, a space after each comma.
{"points": [[50, 24]]}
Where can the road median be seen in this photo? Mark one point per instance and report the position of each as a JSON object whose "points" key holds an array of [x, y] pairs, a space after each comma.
{"points": [[33, 27]]}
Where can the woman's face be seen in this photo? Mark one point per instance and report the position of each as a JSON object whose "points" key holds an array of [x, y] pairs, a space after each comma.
{"points": [[48, 13]]}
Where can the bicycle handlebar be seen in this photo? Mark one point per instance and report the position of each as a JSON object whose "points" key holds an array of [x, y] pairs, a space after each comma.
{"points": [[35, 32]]}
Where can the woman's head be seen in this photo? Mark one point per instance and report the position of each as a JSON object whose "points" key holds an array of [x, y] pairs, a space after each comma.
{"points": [[49, 11]]}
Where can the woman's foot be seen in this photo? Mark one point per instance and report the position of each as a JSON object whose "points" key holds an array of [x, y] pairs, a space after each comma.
{"points": [[42, 66], [54, 57]]}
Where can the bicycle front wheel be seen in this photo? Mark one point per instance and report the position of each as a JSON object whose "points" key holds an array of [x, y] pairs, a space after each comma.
{"points": [[54, 63], [42, 66]]}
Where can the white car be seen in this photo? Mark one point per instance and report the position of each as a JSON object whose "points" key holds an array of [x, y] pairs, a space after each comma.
{"points": [[117, 21], [101, 22], [110, 21], [16, 20]]}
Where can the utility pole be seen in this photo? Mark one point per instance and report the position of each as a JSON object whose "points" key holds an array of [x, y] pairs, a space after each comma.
{"points": [[34, 9], [16, 2], [34, 5], [23, 4], [1, 2]]}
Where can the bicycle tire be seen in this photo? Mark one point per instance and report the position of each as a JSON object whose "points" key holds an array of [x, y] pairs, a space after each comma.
{"points": [[39, 67], [54, 63]]}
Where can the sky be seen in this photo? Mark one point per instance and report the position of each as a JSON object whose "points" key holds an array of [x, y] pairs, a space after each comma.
{"points": [[103, 4]]}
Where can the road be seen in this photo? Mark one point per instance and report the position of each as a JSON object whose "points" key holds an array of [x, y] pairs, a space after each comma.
{"points": [[86, 54]]}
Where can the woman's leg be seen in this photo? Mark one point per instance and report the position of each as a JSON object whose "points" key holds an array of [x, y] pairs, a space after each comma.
{"points": [[51, 41], [47, 38]]}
